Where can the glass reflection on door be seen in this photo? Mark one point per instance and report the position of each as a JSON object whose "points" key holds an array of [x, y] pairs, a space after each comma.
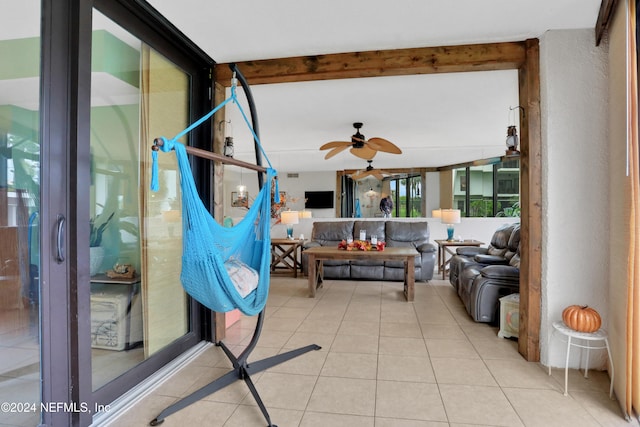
{"points": [[138, 306], [19, 209]]}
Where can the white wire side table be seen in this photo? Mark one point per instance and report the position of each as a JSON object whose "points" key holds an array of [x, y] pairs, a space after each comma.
{"points": [[584, 340]]}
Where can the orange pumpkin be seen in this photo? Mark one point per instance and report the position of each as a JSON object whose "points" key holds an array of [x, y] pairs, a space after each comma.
{"points": [[581, 318]]}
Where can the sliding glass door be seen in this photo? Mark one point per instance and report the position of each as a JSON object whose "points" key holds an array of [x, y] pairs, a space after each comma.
{"points": [[20, 348], [138, 306], [141, 88], [83, 92]]}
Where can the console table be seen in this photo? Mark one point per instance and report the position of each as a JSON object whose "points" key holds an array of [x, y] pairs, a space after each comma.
{"points": [[318, 254], [444, 248], [286, 252]]}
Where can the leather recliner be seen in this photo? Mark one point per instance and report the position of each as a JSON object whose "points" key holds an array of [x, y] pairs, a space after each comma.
{"points": [[504, 244], [481, 287]]}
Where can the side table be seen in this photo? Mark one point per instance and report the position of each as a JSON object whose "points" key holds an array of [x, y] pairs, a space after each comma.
{"points": [[600, 335], [286, 252], [444, 249]]}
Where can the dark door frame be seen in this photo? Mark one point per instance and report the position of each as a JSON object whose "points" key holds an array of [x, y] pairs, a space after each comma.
{"points": [[65, 131]]}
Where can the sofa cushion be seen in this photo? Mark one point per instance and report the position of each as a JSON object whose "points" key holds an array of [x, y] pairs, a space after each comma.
{"points": [[367, 272], [498, 252], [514, 242], [500, 238], [490, 259], [470, 251], [502, 272], [406, 234], [371, 228], [332, 232]]}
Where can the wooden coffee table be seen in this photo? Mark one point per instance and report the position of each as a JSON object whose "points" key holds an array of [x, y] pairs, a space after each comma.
{"points": [[317, 254]]}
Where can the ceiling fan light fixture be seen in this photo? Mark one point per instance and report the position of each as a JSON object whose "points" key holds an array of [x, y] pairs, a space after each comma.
{"points": [[360, 146]]}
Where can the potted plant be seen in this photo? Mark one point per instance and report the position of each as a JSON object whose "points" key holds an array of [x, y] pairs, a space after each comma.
{"points": [[97, 226]]}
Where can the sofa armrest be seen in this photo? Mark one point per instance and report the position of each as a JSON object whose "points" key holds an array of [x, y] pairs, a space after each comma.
{"points": [[470, 251], [502, 272], [491, 259], [426, 247]]}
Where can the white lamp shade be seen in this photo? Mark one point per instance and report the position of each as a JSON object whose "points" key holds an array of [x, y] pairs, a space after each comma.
{"points": [[242, 190], [289, 217], [450, 216], [305, 214], [436, 213]]}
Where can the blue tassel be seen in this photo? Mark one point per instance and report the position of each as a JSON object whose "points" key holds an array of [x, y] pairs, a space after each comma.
{"points": [[155, 186], [276, 197]]}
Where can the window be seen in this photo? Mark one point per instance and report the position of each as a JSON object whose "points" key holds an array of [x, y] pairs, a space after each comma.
{"points": [[489, 190], [405, 193]]}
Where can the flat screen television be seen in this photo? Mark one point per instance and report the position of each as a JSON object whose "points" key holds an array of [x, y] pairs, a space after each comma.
{"points": [[318, 199]]}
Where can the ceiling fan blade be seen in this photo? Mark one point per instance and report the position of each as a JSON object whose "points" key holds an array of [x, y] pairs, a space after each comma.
{"points": [[382, 144], [378, 174], [334, 144], [336, 150], [358, 175], [364, 152], [361, 174]]}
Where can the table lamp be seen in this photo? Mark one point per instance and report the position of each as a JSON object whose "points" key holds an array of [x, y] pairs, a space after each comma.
{"points": [[436, 213], [450, 217], [289, 218]]}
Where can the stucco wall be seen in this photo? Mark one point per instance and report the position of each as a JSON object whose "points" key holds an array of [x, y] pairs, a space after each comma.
{"points": [[575, 258]]}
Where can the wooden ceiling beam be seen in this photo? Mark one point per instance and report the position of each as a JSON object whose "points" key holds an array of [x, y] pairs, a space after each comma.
{"points": [[379, 63]]}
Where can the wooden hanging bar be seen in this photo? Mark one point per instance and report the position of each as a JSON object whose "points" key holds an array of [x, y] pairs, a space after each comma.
{"points": [[198, 152]]}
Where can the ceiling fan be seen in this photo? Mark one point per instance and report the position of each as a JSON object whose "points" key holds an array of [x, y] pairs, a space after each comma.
{"points": [[360, 146], [370, 171]]}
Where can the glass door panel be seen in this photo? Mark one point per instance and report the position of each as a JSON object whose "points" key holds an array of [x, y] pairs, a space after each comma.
{"points": [[138, 306], [20, 372]]}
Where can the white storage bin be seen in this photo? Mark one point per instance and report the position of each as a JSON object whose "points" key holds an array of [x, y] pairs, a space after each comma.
{"points": [[115, 326], [509, 316]]}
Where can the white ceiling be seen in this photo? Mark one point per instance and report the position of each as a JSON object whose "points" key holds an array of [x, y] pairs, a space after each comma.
{"points": [[435, 119]]}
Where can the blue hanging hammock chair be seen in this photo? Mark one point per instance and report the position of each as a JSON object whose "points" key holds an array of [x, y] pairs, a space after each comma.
{"points": [[217, 261], [211, 251]]}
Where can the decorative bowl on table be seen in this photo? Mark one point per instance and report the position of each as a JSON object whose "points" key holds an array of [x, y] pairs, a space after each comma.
{"points": [[361, 245]]}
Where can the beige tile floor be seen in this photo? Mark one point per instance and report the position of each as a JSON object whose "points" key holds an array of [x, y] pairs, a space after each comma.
{"points": [[383, 363]]}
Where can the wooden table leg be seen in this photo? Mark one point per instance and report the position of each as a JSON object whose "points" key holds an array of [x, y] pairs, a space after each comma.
{"points": [[295, 260], [312, 276], [409, 278]]}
